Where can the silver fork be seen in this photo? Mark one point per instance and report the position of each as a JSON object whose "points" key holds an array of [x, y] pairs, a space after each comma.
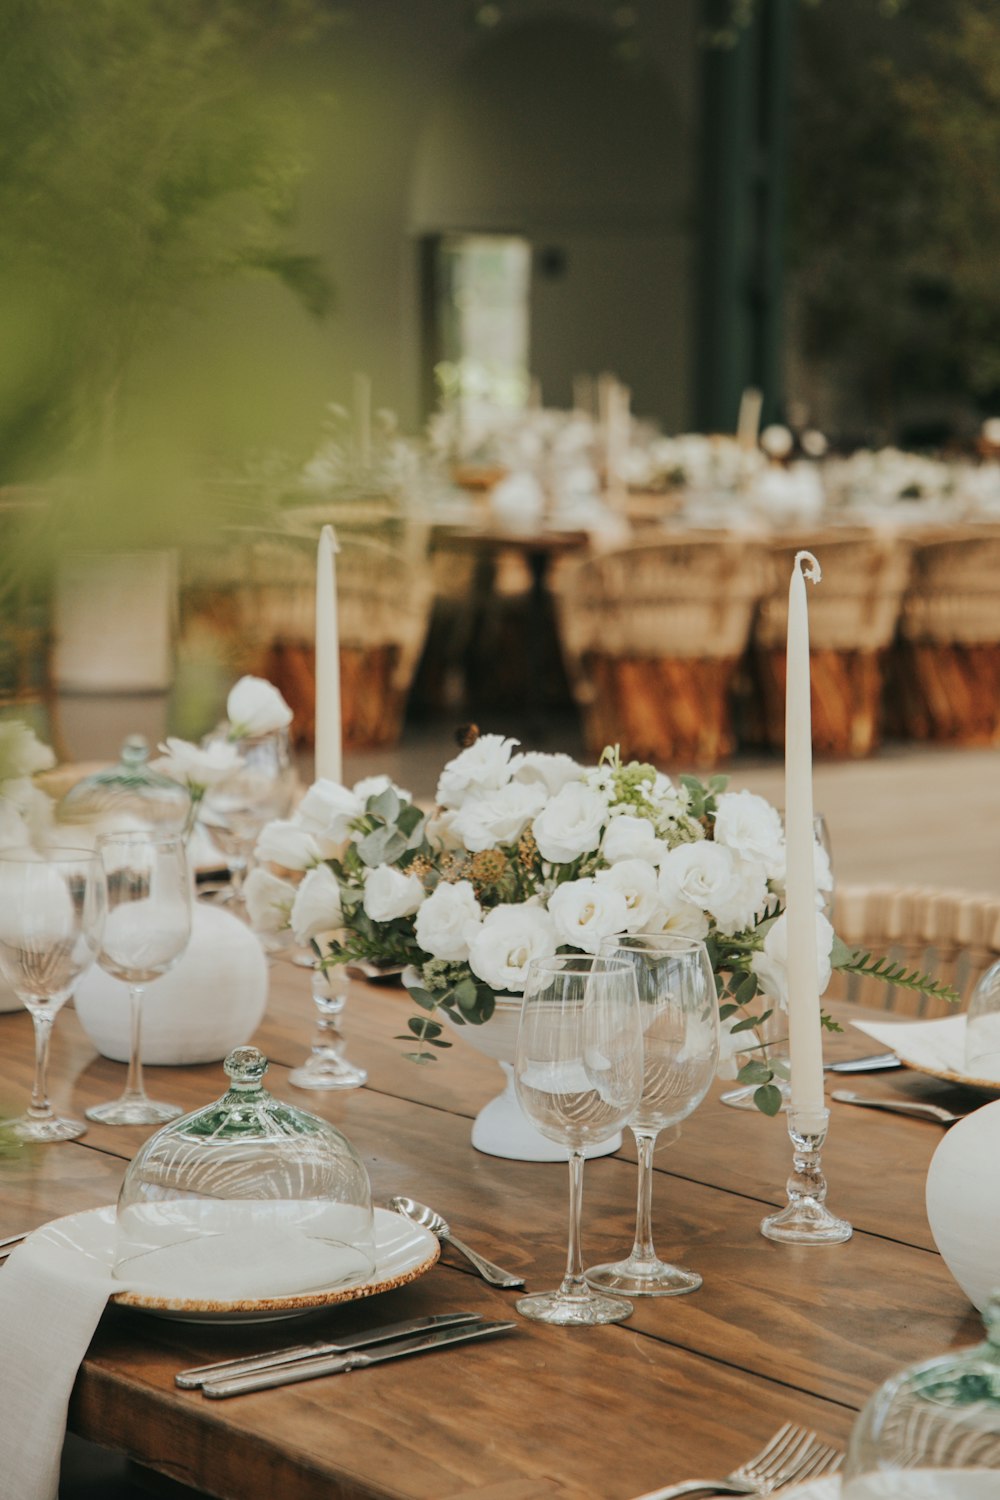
{"points": [[793, 1453]]}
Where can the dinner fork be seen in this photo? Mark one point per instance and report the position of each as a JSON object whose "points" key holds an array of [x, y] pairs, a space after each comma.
{"points": [[793, 1453]]}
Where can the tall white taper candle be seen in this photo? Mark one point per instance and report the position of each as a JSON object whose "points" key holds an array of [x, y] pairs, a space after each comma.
{"points": [[804, 1030], [328, 729]]}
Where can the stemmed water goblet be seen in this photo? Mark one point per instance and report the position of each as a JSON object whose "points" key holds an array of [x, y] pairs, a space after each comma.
{"points": [[578, 1075], [235, 810], [679, 1015], [52, 911], [150, 904]]}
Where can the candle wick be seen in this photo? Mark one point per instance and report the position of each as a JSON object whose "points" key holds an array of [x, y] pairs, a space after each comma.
{"points": [[335, 545], [809, 565]]}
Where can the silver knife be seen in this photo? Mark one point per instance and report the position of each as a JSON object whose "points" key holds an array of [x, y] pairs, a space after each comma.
{"points": [[876, 1064], [308, 1369], [190, 1380]]}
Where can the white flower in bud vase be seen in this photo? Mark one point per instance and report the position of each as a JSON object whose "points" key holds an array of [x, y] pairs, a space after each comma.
{"points": [[327, 811], [751, 828], [268, 900], [553, 772], [14, 831], [710, 876], [448, 921], [585, 912], [254, 708], [316, 909], [483, 767], [283, 842], [391, 893], [374, 786], [21, 751], [195, 766], [637, 882], [771, 964], [570, 824], [510, 937], [823, 871], [632, 838], [498, 817]]}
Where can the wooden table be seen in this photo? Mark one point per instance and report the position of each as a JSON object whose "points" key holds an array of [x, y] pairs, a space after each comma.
{"points": [[688, 1385]]}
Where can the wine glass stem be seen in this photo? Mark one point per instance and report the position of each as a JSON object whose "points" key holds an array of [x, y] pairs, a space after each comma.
{"points": [[40, 1108], [134, 1086], [643, 1248], [573, 1284]]}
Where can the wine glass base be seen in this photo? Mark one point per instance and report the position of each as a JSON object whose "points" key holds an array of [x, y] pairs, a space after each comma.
{"points": [[39, 1131], [134, 1112], [626, 1279], [568, 1312], [328, 1075]]}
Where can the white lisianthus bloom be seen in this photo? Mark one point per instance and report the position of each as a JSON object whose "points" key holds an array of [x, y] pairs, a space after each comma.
{"points": [[391, 893], [674, 915], [327, 811], [714, 879], [283, 842], [255, 707], [553, 772], [752, 828], [628, 837], [585, 913], [374, 786], [448, 921], [440, 831], [497, 817], [316, 908], [771, 965], [269, 901], [637, 882], [198, 767], [570, 824], [21, 751], [510, 937], [483, 767], [823, 872]]}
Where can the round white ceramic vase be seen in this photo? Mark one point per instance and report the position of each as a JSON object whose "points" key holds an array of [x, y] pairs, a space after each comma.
{"points": [[963, 1203], [211, 1001]]}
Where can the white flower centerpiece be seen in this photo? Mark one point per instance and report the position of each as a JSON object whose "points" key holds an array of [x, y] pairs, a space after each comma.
{"points": [[527, 854]]}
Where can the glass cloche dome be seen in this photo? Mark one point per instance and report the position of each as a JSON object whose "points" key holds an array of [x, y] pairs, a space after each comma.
{"points": [[932, 1432], [130, 793], [243, 1199]]}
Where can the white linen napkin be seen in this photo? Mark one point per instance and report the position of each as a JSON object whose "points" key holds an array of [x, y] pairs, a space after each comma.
{"points": [[936, 1045]]}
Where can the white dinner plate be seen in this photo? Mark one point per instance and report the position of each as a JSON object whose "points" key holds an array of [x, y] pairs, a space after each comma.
{"points": [[403, 1251], [816, 1489], [936, 1048]]}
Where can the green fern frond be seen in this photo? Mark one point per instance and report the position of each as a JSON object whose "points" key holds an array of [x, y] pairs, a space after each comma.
{"points": [[897, 974]]}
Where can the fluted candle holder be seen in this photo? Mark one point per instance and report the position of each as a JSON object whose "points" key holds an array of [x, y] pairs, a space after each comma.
{"points": [[806, 1220]]}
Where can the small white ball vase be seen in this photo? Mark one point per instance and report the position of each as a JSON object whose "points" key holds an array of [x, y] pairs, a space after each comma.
{"points": [[963, 1203], [211, 1001]]}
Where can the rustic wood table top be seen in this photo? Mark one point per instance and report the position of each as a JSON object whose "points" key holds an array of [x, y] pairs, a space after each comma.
{"points": [[689, 1385]]}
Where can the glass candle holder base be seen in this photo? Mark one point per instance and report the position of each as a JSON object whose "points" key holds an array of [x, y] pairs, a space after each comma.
{"points": [[326, 1067], [806, 1220]]}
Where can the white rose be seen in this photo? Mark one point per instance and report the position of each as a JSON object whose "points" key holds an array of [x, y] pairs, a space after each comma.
{"points": [[327, 811], [510, 937], [255, 707], [553, 772], [198, 767], [448, 920], [676, 915], [440, 831], [374, 786], [585, 913], [285, 843], [629, 837], [21, 751], [268, 901], [752, 828], [637, 882], [711, 877], [570, 825], [771, 965], [391, 893], [822, 868], [483, 767], [316, 909], [497, 817]]}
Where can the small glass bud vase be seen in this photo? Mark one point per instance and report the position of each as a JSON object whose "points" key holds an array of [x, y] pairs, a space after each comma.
{"points": [[327, 1067], [806, 1220]]}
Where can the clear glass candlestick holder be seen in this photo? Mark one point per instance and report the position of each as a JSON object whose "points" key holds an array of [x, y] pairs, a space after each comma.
{"points": [[326, 1066], [806, 1220]]}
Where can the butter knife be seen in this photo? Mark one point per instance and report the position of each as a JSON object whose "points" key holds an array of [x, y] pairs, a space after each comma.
{"points": [[876, 1064], [308, 1369], [190, 1380]]}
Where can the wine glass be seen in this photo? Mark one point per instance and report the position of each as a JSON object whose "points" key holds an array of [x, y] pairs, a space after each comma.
{"points": [[578, 1075], [679, 1014], [326, 1067], [52, 911], [236, 809], [148, 928]]}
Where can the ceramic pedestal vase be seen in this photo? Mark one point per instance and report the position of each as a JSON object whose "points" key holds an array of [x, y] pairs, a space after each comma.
{"points": [[501, 1127], [963, 1203], [211, 1001]]}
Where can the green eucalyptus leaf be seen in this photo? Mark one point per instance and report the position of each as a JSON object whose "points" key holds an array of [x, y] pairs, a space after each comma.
{"points": [[385, 804], [768, 1099], [754, 1071], [746, 989], [410, 819], [372, 848]]}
